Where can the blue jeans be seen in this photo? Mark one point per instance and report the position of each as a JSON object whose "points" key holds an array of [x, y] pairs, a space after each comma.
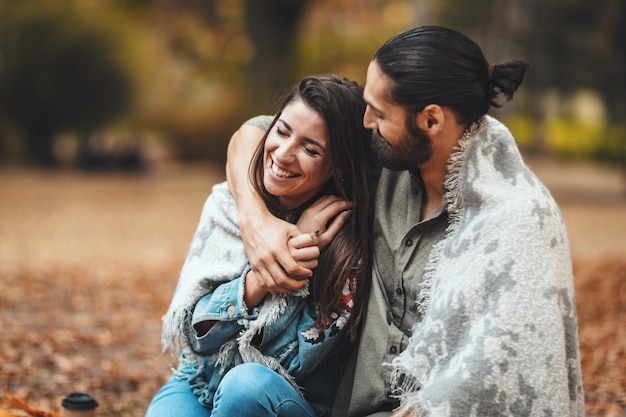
{"points": [[248, 389]]}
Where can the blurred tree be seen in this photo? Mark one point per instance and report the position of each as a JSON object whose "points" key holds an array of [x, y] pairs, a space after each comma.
{"points": [[58, 74], [241, 53], [273, 29], [580, 44], [268, 28], [572, 45]]}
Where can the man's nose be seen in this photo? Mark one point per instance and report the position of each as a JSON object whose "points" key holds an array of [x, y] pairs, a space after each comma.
{"points": [[369, 121]]}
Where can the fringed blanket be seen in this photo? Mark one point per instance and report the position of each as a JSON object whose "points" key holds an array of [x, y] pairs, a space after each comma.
{"points": [[499, 331], [216, 256]]}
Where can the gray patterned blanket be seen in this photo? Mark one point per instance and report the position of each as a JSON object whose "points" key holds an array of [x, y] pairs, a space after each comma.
{"points": [[499, 335]]}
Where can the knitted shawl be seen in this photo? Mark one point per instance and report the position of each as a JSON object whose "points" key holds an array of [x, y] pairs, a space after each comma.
{"points": [[499, 331], [217, 255]]}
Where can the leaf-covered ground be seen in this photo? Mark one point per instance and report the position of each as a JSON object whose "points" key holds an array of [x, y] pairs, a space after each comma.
{"points": [[88, 265]]}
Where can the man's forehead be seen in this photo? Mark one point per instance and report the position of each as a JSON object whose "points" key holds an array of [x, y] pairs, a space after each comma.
{"points": [[375, 91]]}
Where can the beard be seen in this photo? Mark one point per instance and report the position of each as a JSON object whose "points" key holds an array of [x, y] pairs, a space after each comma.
{"points": [[412, 150]]}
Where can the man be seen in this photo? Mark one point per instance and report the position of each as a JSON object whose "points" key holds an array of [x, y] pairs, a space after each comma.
{"points": [[472, 310]]}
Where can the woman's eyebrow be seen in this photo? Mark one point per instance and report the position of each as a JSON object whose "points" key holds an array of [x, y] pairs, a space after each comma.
{"points": [[286, 124], [316, 143]]}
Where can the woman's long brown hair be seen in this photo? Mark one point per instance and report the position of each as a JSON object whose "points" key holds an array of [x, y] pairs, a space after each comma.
{"points": [[340, 103]]}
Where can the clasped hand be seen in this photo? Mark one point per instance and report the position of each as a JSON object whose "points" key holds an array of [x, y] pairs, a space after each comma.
{"points": [[282, 255]]}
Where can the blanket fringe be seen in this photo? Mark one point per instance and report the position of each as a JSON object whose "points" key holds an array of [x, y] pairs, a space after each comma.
{"points": [[174, 331], [271, 310], [405, 388], [403, 383], [453, 203]]}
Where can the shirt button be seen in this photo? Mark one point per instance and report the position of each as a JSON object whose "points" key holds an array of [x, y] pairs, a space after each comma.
{"points": [[409, 242], [231, 310], [393, 350], [399, 291]]}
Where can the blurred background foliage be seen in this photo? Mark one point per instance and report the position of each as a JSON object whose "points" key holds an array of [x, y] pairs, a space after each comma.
{"points": [[123, 84]]}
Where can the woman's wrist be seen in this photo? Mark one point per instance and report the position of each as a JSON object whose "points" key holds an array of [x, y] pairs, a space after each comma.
{"points": [[254, 293]]}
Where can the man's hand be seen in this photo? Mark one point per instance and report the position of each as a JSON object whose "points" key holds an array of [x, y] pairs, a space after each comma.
{"points": [[403, 411], [265, 239], [303, 248], [402, 414]]}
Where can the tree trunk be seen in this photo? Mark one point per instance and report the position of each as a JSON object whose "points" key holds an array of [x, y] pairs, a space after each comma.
{"points": [[273, 27]]}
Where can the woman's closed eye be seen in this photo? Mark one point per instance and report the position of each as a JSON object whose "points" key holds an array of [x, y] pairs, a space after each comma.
{"points": [[311, 151], [282, 133]]}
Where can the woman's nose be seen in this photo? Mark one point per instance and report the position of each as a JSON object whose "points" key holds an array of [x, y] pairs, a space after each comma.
{"points": [[284, 152], [369, 121]]}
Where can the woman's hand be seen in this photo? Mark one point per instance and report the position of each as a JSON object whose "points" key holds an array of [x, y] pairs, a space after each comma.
{"points": [[305, 250], [317, 216]]}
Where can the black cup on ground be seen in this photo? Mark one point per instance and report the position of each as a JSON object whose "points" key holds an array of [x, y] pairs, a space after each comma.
{"points": [[79, 404]]}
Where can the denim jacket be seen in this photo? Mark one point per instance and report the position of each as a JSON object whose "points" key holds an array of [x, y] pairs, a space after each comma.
{"points": [[312, 355]]}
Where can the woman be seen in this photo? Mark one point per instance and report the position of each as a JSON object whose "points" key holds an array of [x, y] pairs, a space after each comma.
{"points": [[242, 350]]}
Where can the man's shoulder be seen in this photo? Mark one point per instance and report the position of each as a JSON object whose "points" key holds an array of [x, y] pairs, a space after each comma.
{"points": [[263, 121]]}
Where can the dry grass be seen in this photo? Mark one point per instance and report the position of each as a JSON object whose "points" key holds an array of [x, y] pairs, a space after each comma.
{"points": [[88, 265]]}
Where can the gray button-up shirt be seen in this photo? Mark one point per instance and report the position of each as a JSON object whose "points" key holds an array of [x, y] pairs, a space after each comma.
{"points": [[401, 244]]}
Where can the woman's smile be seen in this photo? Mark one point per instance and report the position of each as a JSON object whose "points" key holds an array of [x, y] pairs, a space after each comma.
{"points": [[280, 172]]}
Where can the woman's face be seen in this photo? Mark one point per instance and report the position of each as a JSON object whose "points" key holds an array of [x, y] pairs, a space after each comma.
{"points": [[296, 156]]}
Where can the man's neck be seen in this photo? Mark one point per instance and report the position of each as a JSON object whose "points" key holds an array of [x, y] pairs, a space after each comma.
{"points": [[433, 192], [435, 170]]}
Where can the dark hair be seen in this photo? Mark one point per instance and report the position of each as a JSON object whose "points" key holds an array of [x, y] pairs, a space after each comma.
{"points": [[437, 65], [340, 104]]}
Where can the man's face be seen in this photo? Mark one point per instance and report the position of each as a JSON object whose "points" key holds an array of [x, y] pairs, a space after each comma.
{"points": [[406, 146]]}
